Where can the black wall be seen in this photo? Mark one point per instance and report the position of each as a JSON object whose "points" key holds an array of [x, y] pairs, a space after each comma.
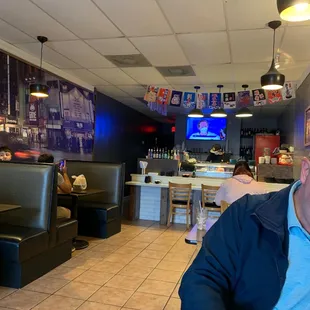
{"points": [[123, 134]]}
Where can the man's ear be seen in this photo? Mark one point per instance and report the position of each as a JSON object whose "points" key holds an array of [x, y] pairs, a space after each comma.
{"points": [[305, 170]]}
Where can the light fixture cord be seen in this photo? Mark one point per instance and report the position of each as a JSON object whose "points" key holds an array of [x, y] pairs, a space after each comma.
{"points": [[40, 73], [274, 42]]}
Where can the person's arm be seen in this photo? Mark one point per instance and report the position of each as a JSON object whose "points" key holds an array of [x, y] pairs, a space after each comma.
{"points": [[65, 186], [209, 282]]}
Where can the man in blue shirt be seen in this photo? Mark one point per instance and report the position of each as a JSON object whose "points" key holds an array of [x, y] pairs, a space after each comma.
{"points": [[257, 255]]}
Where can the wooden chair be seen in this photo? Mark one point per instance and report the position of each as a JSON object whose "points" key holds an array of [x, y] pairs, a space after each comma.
{"points": [[224, 206], [207, 198], [180, 197]]}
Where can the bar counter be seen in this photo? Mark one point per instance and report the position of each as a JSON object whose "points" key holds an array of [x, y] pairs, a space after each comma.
{"points": [[150, 201]]}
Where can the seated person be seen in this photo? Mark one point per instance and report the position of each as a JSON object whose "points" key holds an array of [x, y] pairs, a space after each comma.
{"points": [[6, 153], [240, 184], [63, 182]]}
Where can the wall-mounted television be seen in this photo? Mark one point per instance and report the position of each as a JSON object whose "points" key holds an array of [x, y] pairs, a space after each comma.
{"points": [[206, 129]]}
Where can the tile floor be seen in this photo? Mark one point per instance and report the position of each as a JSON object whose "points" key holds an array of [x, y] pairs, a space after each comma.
{"points": [[139, 268]]}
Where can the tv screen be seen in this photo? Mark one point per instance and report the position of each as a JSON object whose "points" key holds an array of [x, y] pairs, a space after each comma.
{"points": [[206, 129]]}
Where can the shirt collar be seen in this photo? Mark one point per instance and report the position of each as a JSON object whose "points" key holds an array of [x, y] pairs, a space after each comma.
{"points": [[292, 219]]}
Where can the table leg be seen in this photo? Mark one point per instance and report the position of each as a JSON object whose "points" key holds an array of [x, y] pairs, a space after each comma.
{"points": [[77, 243], [164, 206]]}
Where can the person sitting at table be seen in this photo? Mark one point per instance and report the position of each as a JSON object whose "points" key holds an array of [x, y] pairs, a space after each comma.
{"points": [[240, 184], [6, 153], [63, 183]]}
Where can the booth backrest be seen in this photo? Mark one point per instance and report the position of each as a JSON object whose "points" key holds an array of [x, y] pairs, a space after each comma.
{"points": [[106, 176], [34, 188]]}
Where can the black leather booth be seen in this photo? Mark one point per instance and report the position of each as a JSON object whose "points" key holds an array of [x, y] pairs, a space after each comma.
{"points": [[32, 240], [100, 215]]}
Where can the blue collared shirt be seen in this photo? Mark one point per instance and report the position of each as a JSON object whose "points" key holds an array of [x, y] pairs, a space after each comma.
{"points": [[296, 291]]}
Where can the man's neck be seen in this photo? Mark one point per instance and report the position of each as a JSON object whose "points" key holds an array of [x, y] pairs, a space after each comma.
{"points": [[302, 211]]}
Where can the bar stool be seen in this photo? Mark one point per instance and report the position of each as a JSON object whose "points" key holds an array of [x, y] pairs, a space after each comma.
{"points": [[208, 195], [224, 206], [180, 198]]}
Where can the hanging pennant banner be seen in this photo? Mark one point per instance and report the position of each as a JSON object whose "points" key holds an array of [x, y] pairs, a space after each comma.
{"points": [[274, 96], [259, 97], [215, 100], [244, 99], [151, 94], [229, 100], [176, 97], [288, 91], [152, 106], [202, 101], [163, 96], [189, 99]]}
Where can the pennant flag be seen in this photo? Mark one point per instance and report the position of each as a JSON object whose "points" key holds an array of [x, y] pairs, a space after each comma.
{"points": [[229, 100], [288, 91], [259, 97], [163, 96], [215, 100], [274, 96], [189, 99], [176, 97], [151, 94], [202, 101], [244, 98]]}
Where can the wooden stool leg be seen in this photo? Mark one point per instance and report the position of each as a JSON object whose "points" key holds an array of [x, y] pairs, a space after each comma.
{"points": [[169, 216], [187, 217]]}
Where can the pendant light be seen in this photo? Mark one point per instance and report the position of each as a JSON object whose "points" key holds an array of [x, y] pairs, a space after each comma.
{"points": [[244, 112], [39, 89], [220, 112], [273, 79], [294, 10], [196, 113]]}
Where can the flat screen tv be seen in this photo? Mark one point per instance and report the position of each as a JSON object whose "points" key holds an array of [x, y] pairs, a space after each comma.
{"points": [[206, 129]]}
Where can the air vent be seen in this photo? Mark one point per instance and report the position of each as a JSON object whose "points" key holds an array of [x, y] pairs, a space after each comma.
{"points": [[176, 71], [125, 61]]}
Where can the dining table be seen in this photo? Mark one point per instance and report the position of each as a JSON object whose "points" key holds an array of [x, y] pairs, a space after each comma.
{"points": [[79, 244]]}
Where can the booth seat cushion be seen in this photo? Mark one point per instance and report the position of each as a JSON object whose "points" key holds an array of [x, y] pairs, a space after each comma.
{"points": [[19, 243], [66, 229]]}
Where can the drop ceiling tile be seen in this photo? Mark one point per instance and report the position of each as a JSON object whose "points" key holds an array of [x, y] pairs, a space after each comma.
{"points": [[49, 55], [111, 91], [82, 17], [81, 53], [184, 80], [136, 17], [249, 73], [295, 45], [195, 15], [250, 14], [161, 50], [30, 19], [293, 71], [134, 90], [146, 76], [12, 35], [114, 76], [87, 76], [253, 45], [206, 48], [188, 87], [115, 46], [215, 74]]}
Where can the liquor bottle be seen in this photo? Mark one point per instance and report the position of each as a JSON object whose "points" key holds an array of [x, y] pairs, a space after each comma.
{"points": [[159, 154], [166, 153], [155, 154], [172, 154], [151, 154]]}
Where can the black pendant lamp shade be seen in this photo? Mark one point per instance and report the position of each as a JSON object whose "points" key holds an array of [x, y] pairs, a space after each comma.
{"points": [[39, 89], [294, 10], [196, 113], [219, 112], [244, 112], [273, 79]]}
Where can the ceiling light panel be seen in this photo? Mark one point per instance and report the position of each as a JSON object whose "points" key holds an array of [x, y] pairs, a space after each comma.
{"points": [[161, 50], [30, 19], [82, 17], [206, 48], [114, 76], [195, 15], [49, 56], [136, 17], [115, 46], [81, 53]]}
